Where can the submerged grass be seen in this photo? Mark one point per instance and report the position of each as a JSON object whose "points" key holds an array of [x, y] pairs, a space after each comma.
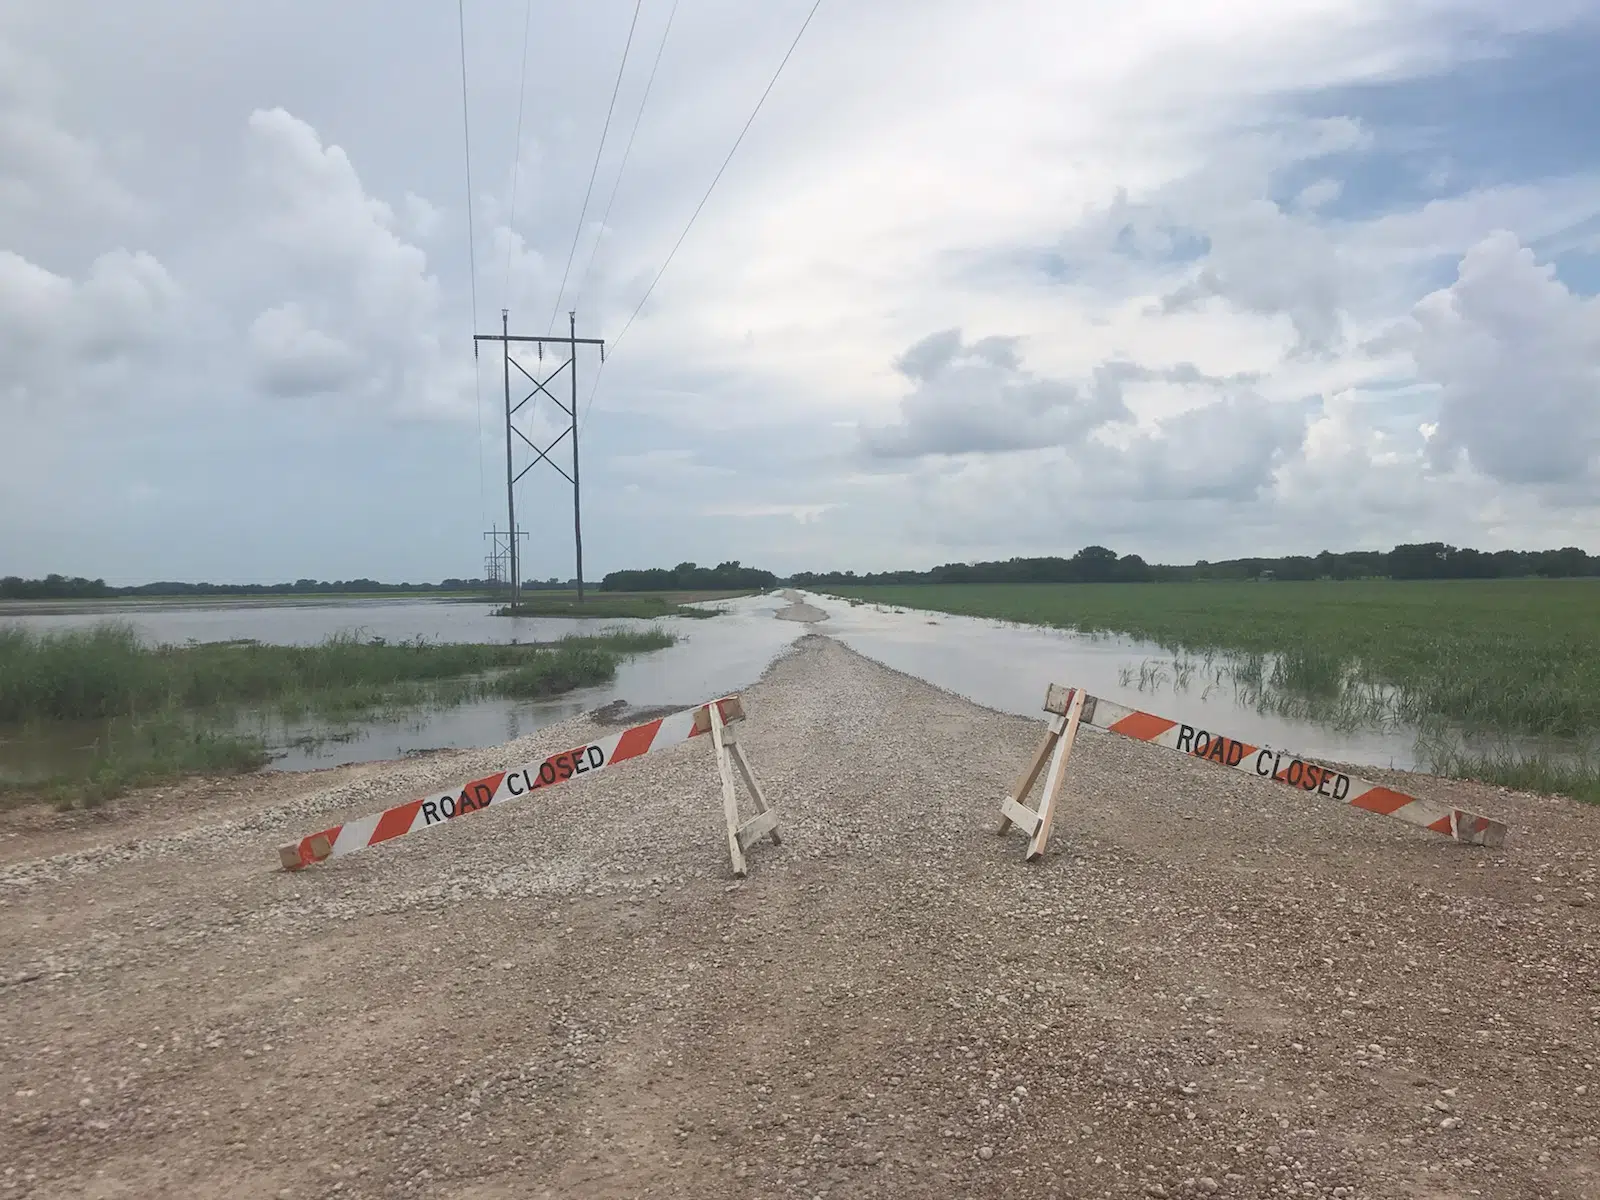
{"points": [[137, 753], [1496, 659], [648, 605], [105, 671], [164, 711]]}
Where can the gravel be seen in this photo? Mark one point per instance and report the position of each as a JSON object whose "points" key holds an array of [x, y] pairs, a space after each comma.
{"points": [[1209, 986], [800, 610]]}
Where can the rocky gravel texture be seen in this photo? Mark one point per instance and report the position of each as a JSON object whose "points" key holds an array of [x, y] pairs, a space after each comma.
{"points": [[1211, 986], [800, 610]]}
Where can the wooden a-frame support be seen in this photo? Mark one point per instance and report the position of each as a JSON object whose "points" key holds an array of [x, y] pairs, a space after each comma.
{"points": [[1067, 705], [730, 753]]}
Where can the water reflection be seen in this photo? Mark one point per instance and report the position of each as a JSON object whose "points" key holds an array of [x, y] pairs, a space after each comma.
{"points": [[1008, 667], [711, 657], [999, 665]]}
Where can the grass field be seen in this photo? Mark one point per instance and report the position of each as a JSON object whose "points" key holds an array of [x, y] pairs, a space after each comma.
{"points": [[647, 605], [161, 712], [1481, 668]]}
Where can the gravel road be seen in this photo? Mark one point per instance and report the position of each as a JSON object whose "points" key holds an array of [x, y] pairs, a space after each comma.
{"points": [[799, 610], [1209, 986]]}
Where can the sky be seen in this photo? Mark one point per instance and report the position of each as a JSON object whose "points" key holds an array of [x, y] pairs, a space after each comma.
{"points": [[1189, 280]]}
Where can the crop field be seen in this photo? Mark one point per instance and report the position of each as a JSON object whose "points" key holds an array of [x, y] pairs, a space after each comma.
{"points": [[1501, 677]]}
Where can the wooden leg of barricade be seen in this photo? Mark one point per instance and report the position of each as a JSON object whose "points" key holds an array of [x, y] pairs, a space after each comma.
{"points": [[765, 822], [1027, 818], [759, 796], [1056, 748]]}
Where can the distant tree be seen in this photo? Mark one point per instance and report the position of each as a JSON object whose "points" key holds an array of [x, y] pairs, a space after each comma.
{"points": [[1564, 563], [1095, 564], [1295, 566], [1423, 560], [727, 576], [1132, 569]]}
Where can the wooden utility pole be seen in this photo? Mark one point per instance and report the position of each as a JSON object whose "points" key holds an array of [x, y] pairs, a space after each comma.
{"points": [[572, 341]]}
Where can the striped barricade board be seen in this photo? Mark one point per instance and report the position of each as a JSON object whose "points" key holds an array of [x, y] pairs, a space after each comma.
{"points": [[514, 783], [1282, 767]]}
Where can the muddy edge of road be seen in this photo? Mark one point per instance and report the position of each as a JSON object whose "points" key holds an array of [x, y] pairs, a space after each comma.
{"points": [[1210, 985]]}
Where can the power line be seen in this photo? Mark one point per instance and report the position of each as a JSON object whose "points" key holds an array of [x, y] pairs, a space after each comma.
{"points": [[472, 251], [576, 233], [629, 324], [516, 151], [627, 150]]}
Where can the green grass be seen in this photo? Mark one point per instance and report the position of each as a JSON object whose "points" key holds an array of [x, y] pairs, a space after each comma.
{"points": [[164, 711], [142, 752], [1495, 659], [106, 672], [647, 605]]}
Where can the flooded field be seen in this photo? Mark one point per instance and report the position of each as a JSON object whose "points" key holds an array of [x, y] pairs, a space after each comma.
{"points": [[1008, 667], [1001, 666]]}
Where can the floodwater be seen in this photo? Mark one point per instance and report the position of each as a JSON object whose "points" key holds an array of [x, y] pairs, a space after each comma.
{"points": [[1009, 667], [712, 657], [1001, 666], [300, 621]]}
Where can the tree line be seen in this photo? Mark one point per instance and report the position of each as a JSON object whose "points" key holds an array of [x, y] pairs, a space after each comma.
{"points": [[689, 577], [1092, 564], [1097, 564]]}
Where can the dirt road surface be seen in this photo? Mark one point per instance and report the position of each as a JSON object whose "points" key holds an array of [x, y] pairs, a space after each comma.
{"points": [[1210, 986]]}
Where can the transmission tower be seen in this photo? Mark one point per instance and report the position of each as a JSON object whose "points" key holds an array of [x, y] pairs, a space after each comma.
{"points": [[497, 562], [572, 341]]}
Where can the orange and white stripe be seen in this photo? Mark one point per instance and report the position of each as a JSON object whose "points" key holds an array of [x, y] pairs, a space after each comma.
{"points": [[501, 787], [1308, 776]]}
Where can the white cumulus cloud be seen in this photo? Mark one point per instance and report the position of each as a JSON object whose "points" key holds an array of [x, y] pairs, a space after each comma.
{"points": [[357, 309], [1516, 358]]}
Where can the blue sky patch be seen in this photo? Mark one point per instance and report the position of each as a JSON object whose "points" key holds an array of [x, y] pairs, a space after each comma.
{"points": [[1527, 112]]}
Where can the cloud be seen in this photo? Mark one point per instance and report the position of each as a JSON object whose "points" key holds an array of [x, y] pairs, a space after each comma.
{"points": [[978, 398], [293, 359], [1516, 358], [801, 514], [47, 171], [1188, 223], [1266, 261], [358, 310], [666, 467], [1220, 229], [59, 334], [1230, 449]]}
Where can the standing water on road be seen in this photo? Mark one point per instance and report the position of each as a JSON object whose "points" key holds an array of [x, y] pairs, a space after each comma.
{"points": [[1005, 667], [1008, 667]]}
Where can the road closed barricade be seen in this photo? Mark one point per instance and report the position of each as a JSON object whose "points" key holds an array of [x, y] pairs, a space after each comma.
{"points": [[716, 718], [1072, 707]]}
